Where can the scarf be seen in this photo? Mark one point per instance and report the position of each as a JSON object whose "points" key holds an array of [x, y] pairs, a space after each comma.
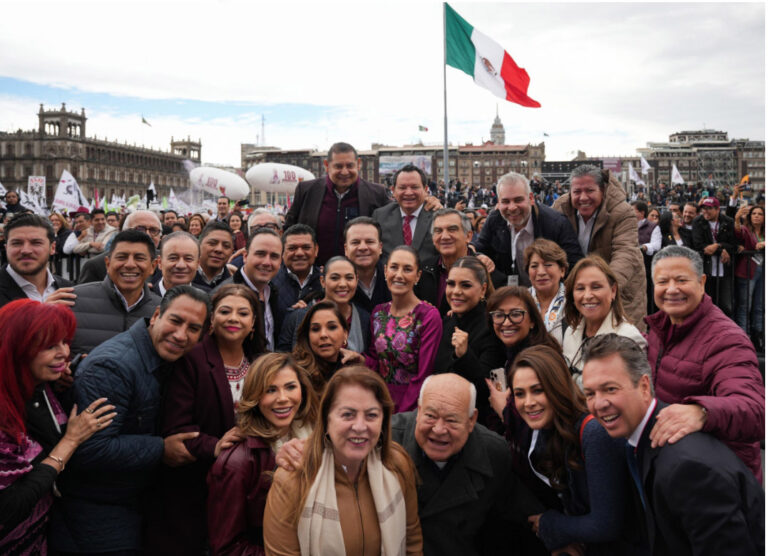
{"points": [[355, 339], [319, 526]]}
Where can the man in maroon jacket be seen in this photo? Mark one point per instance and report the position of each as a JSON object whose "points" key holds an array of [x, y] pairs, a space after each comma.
{"points": [[703, 363]]}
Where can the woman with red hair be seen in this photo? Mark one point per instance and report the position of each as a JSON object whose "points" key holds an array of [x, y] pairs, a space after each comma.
{"points": [[36, 438]]}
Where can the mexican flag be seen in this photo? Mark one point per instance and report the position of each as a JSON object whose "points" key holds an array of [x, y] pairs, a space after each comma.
{"points": [[485, 60]]}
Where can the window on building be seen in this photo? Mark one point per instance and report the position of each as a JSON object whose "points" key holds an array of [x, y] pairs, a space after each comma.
{"points": [[9, 149]]}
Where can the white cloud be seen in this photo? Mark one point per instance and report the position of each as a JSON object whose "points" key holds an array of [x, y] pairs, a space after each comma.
{"points": [[610, 77]]}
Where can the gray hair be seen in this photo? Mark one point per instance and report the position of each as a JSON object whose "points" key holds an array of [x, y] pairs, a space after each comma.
{"points": [[679, 251], [472, 395], [466, 223], [178, 235], [512, 177], [257, 212], [634, 357], [128, 222], [601, 180]]}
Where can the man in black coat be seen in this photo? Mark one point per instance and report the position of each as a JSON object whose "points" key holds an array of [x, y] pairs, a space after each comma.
{"points": [[698, 497], [30, 242], [328, 203], [714, 238], [363, 246], [518, 210], [468, 495]]}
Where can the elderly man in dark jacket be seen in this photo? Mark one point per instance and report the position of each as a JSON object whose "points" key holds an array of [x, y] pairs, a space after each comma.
{"points": [[104, 309], [101, 506], [517, 211], [468, 495]]}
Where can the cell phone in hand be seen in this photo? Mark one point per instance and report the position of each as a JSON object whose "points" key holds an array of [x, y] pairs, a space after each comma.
{"points": [[499, 379]]}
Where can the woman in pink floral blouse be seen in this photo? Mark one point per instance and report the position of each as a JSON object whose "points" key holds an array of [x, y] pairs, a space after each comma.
{"points": [[405, 333]]}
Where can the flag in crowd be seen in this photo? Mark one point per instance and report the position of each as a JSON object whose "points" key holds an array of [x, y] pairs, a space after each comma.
{"points": [[676, 177], [633, 175], [644, 166], [68, 195], [485, 60]]}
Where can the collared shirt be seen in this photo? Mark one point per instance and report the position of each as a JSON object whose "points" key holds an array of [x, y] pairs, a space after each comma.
{"points": [[29, 289], [634, 439], [655, 243], [269, 319], [415, 215], [520, 240], [214, 280], [298, 280], [717, 262], [129, 308], [366, 289], [585, 232]]}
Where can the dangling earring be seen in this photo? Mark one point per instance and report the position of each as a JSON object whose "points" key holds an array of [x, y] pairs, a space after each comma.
{"points": [[380, 442], [345, 342]]}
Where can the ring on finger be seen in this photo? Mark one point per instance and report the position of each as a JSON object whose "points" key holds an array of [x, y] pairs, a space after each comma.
{"points": [[89, 410]]}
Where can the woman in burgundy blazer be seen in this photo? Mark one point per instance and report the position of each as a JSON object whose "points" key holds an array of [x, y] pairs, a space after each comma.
{"points": [[200, 397]]}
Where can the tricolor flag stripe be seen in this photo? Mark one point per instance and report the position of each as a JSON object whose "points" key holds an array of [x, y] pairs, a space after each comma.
{"points": [[476, 54]]}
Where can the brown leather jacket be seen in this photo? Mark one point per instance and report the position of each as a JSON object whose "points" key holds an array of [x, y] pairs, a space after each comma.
{"points": [[357, 512]]}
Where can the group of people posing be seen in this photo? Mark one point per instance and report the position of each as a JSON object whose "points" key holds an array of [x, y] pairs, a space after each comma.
{"points": [[372, 377]]}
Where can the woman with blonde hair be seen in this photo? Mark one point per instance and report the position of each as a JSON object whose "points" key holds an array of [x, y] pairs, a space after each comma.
{"points": [[593, 306], [278, 404], [356, 490]]}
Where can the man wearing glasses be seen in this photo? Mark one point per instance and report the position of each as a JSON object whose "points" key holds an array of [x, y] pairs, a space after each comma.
{"points": [[95, 269]]}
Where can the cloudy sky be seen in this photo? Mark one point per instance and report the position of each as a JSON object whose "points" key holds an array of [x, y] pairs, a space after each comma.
{"points": [[609, 77]]}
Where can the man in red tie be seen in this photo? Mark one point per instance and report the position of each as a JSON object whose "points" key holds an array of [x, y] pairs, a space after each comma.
{"points": [[407, 221]]}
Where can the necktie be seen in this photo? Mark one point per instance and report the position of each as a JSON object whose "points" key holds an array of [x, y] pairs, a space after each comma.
{"points": [[407, 235], [634, 470]]}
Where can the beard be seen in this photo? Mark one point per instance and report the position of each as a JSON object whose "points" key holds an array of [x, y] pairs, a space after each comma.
{"points": [[30, 271]]}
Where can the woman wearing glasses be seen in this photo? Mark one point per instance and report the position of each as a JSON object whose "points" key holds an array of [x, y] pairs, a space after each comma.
{"points": [[592, 307]]}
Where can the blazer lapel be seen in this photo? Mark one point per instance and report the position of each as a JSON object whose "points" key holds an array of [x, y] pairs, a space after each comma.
{"points": [[422, 227], [219, 375], [315, 197], [9, 284], [646, 456]]}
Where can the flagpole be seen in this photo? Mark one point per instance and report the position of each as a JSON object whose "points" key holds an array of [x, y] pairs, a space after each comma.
{"points": [[445, 105]]}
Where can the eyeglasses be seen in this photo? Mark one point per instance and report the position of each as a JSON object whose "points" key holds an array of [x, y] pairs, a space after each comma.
{"points": [[154, 232], [515, 316]]}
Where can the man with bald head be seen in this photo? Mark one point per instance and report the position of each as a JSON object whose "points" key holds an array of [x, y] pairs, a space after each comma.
{"points": [[469, 497], [95, 269]]}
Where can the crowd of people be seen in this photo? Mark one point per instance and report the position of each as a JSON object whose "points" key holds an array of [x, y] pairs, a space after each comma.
{"points": [[379, 373]]}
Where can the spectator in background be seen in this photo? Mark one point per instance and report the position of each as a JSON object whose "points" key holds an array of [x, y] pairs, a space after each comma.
{"points": [[96, 237], [61, 230], [196, 225], [237, 225], [81, 223], [749, 227], [222, 209]]}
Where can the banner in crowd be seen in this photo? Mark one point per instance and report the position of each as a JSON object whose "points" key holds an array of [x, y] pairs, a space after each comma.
{"points": [[36, 189], [391, 164], [633, 175], [676, 177], [644, 166], [68, 196]]}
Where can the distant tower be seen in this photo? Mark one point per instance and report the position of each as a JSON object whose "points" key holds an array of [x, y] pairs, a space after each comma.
{"points": [[62, 123], [186, 147], [497, 129]]}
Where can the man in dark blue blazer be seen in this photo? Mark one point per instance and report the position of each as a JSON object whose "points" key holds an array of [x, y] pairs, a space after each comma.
{"points": [[697, 496], [518, 211]]}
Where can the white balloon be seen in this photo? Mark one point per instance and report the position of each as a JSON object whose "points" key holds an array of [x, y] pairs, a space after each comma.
{"points": [[276, 178], [219, 182]]}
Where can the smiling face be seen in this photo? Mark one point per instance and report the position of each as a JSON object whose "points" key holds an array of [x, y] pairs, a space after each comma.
{"points": [[449, 237], [531, 400], [28, 249], [177, 331], [354, 424], [462, 290], [545, 276], [326, 335], [195, 226], [443, 422], [511, 333], [363, 246], [339, 282], [222, 206], [128, 266], [281, 399], [514, 203], [232, 320], [593, 294], [409, 192], [402, 272], [262, 261], [689, 213], [215, 250], [677, 290], [179, 261], [49, 363], [343, 170], [586, 196], [299, 253], [618, 404]]}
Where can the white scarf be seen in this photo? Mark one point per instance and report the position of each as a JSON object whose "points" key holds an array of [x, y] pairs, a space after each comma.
{"points": [[319, 525]]}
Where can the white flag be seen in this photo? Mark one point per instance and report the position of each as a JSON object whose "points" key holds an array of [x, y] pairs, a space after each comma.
{"points": [[68, 195], [644, 166], [676, 177], [2, 190], [172, 201], [633, 175], [152, 188]]}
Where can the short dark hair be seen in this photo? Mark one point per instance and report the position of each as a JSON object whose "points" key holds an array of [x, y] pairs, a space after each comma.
{"points": [[213, 226], [178, 235], [170, 210], [222, 197], [364, 220], [94, 212], [86, 215], [300, 230], [641, 207], [410, 168], [190, 291], [262, 231], [631, 353], [408, 249], [133, 236], [340, 148], [113, 213], [33, 220]]}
